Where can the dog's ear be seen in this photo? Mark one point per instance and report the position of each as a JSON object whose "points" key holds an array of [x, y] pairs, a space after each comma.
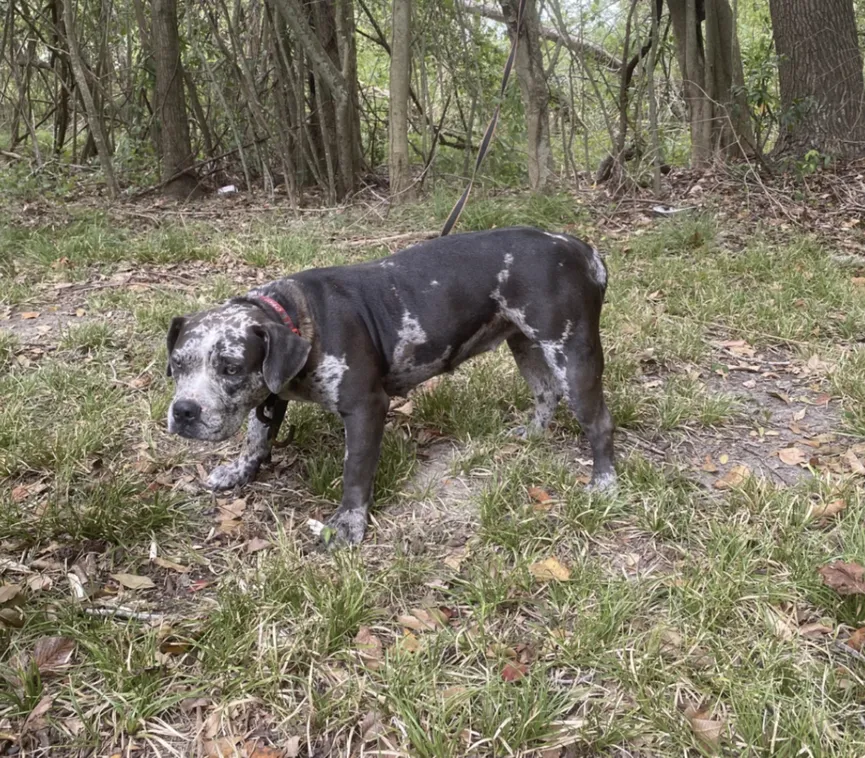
{"points": [[173, 333], [285, 355]]}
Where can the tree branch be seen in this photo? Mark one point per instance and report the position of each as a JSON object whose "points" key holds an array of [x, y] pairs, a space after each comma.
{"points": [[581, 47]]}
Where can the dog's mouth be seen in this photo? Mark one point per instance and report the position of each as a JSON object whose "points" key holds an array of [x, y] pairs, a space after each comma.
{"points": [[199, 430]]}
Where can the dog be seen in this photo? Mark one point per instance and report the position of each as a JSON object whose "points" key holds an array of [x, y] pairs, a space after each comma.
{"points": [[351, 337]]}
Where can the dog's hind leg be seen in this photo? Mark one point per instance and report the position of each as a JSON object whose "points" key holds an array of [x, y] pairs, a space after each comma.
{"points": [[259, 442], [579, 364], [542, 382]]}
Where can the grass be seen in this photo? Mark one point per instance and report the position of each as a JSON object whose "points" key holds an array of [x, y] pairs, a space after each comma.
{"points": [[437, 637]]}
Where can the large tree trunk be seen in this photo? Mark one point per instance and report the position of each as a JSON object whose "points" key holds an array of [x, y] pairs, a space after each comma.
{"points": [[399, 165], [713, 77], [820, 76], [170, 103], [533, 90]]}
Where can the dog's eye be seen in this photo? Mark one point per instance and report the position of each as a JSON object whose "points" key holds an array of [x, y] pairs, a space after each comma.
{"points": [[230, 370]]}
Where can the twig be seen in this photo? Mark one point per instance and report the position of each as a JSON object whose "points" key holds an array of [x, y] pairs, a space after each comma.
{"points": [[847, 650], [124, 613]]}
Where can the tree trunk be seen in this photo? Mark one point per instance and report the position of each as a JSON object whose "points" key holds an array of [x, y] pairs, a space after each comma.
{"points": [[94, 117], [399, 165], [712, 76], [533, 90], [820, 76], [170, 103]]}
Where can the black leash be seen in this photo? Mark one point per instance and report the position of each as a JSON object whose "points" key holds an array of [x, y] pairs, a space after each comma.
{"points": [[488, 135]]}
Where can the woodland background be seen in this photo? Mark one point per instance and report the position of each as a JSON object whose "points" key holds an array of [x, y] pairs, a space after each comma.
{"points": [[317, 100]]}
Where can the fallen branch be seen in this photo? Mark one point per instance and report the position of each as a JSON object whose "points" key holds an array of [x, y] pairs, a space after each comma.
{"points": [[581, 47], [124, 613]]}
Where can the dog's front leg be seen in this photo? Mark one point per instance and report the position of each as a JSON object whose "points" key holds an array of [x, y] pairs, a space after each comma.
{"points": [[364, 429], [259, 442]]}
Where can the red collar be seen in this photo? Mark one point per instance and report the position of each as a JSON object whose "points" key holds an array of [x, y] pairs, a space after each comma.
{"points": [[286, 319]]}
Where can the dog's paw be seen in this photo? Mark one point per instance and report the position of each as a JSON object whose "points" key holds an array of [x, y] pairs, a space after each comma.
{"points": [[234, 474], [345, 527], [606, 483]]}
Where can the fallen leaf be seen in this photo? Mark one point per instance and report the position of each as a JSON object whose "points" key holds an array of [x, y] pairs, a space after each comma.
{"points": [[168, 564], [421, 620], [30, 314], [513, 671], [406, 409], [708, 731], [844, 578], [822, 400], [371, 727], [52, 654], [853, 462], [454, 691], [817, 629], [224, 747], [825, 511], [454, 560], [550, 568], [539, 495], [141, 382], [857, 638], [779, 625], [20, 493], [800, 414], [724, 459], [792, 456], [292, 747], [254, 750], [42, 707], [708, 465], [80, 312], [735, 477], [410, 643], [133, 581], [370, 647], [9, 592], [256, 544]]}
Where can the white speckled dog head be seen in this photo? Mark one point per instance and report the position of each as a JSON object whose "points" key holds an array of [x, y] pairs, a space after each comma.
{"points": [[225, 362]]}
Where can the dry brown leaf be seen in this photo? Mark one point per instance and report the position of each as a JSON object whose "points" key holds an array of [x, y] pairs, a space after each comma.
{"points": [[708, 731], [254, 750], [370, 648], [410, 643], [853, 462], [550, 569], [168, 564], [224, 747], [9, 592], [30, 314], [371, 726], [52, 654], [817, 629], [234, 510], [856, 639], [20, 493], [292, 747], [825, 511], [800, 414], [257, 544], [779, 625], [514, 671], [844, 578], [708, 466], [454, 691], [406, 409], [134, 582], [455, 559], [421, 620], [792, 456], [539, 495], [42, 707], [735, 477]]}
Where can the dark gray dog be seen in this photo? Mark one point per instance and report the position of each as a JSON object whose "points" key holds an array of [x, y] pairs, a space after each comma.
{"points": [[349, 337]]}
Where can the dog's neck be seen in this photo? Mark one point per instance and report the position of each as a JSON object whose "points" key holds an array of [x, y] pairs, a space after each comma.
{"points": [[290, 298]]}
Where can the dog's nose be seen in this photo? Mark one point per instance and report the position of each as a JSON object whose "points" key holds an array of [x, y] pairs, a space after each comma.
{"points": [[186, 411]]}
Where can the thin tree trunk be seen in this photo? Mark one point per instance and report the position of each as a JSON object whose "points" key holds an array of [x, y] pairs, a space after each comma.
{"points": [[399, 165], [94, 118], [170, 103], [533, 90]]}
